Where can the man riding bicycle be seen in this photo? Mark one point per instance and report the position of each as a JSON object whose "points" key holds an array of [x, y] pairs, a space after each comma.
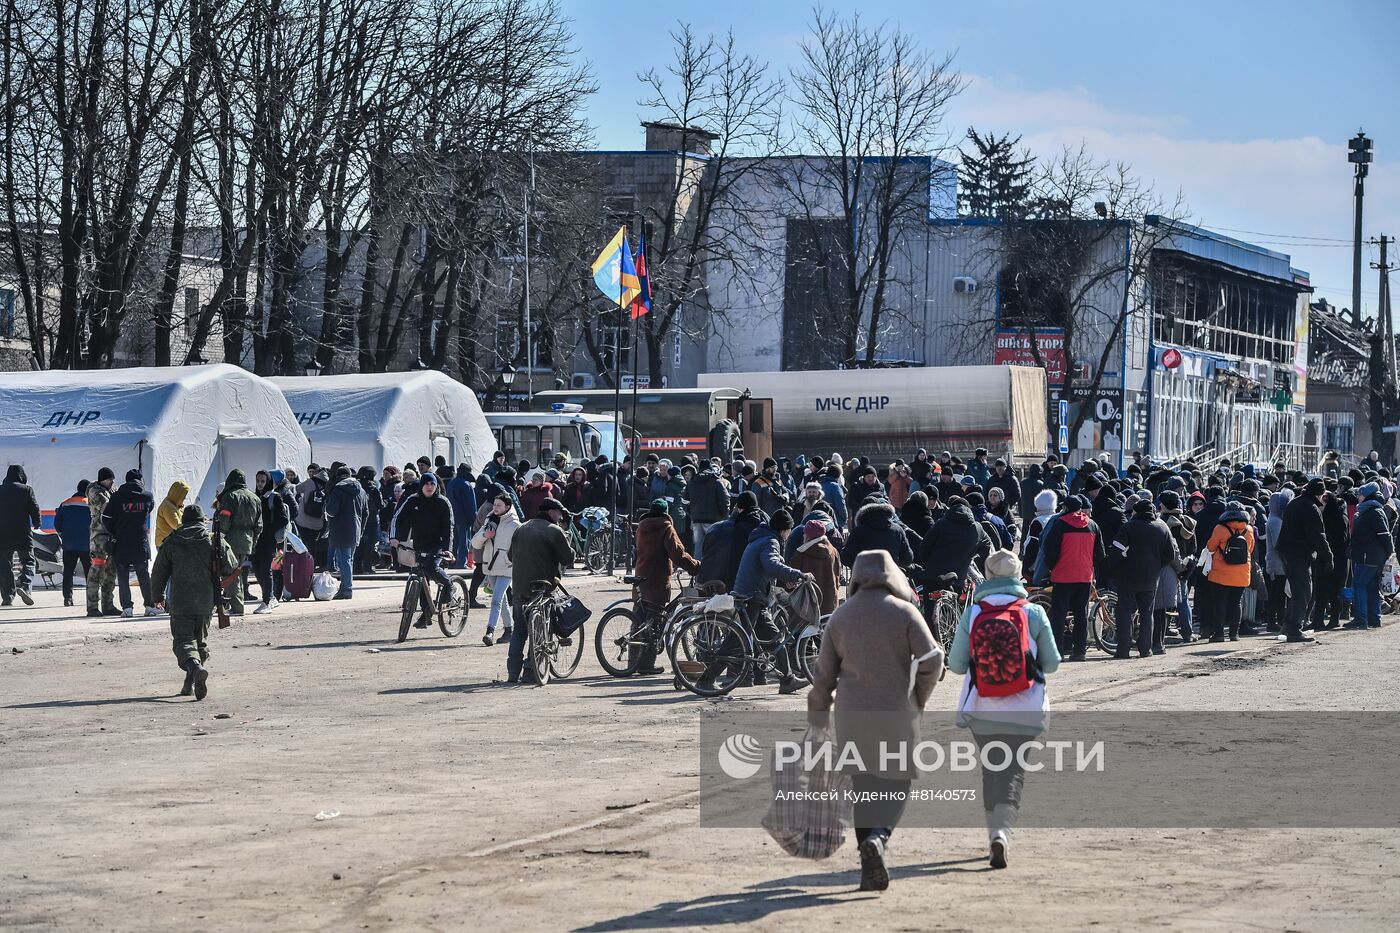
{"points": [[538, 554], [760, 568], [426, 520]]}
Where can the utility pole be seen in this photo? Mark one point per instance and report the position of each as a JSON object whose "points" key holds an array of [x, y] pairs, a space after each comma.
{"points": [[1383, 385], [1359, 154]]}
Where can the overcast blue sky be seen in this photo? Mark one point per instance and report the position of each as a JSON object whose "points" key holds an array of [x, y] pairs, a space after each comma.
{"points": [[1244, 106]]}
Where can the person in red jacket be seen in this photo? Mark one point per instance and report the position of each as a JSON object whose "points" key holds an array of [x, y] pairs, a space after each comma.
{"points": [[1072, 544]]}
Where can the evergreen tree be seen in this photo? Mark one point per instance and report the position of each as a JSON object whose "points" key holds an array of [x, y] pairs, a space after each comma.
{"points": [[994, 181]]}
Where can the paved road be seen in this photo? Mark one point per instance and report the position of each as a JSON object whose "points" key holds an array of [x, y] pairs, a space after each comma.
{"points": [[465, 804]]}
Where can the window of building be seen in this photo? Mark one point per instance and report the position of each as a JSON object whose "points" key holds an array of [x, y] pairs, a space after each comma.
{"points": [[191, 310], [7, 312]]}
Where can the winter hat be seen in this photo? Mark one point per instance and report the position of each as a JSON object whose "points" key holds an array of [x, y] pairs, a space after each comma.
{"points": [[1315, 487], [1045, 502], [747, 502], [1077, 504], [1003, 565], [868, 470], [769, 462], [429, 479], [781, 520], [975, 499], [536, 472], [1059, 470], [133, 476], [277, 476], [343, 472], [1369, 490], [813, 529], [1092, 482], [551, 505], [192, 515], [674, 471], [1170, 500], [105, 473], [1142, 507], [999, 462], [916, 504], [659, 506], [551, 474]]}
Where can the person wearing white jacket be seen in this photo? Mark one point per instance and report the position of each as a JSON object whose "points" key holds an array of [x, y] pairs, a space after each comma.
{"points": [[494, 538], [1013, 719]]}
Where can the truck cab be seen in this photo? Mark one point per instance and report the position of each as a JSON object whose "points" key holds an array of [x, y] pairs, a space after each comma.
{"points": [[538, 435]]}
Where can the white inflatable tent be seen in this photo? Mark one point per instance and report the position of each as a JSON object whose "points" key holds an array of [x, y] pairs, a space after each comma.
{"points": [[192, 423], [378, 419]]}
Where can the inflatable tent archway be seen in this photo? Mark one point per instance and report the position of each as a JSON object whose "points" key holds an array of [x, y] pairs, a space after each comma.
{"points": [[378, 419], [191, 423]]}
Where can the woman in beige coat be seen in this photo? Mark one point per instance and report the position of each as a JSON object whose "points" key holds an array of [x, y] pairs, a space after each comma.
{"points": [[880, 662]]}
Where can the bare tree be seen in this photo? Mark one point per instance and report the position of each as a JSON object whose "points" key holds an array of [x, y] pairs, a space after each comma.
{"points": [[1075, 258], [726, 105], [871, 104]]}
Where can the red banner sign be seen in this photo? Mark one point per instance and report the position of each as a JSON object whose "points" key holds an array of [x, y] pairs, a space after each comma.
{"points": [[1017, 348]]}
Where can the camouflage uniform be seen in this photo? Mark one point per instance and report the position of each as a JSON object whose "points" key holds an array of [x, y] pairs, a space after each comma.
{"points": [[102, 579]]}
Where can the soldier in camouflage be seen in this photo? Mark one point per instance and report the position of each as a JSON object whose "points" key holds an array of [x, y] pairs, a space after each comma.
{"points": [[102, 579]]}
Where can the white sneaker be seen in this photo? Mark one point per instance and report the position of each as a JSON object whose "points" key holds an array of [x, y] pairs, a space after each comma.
{"points": [[127, 613], [264, 608], [1001, 847], [152, 611]]}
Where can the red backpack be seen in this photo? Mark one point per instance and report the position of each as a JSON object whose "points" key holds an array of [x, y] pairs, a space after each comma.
{"points": [[1000, 646]]}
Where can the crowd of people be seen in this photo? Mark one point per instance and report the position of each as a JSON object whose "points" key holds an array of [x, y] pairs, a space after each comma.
{"points": [[1225, 550]]}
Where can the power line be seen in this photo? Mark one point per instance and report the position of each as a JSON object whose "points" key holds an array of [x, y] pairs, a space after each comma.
{"points": [[1281, 236]]}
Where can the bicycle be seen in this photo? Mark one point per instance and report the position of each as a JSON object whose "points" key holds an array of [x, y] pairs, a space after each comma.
{"points": [[621, 639], [1103, 606], [580, 531], [622, 543], [451, 615], [548, 657], [943, 607], [727, 644]]}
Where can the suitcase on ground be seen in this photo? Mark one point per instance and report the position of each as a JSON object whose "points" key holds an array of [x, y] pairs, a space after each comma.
{"points": [[297, 571]]}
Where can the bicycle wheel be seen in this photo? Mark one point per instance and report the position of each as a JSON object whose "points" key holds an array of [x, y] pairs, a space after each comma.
{"points": [[617, 642], [452, 618], [410, 606], [945, 619], [540, 643], [564, 659], [1104, 613], [714, 643], [597, 556], [809, 648]]}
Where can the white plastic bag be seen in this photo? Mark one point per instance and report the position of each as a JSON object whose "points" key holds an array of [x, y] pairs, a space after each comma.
{"points": [[324, 586], [294, 543], [723, 604]]}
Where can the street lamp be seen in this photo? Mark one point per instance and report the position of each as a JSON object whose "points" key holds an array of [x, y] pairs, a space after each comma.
{"points": [[508, 374], [1359, 155], [313, 367]]}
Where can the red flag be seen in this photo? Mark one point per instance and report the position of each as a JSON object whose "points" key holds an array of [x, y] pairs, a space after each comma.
{"points": [[642, 304]]}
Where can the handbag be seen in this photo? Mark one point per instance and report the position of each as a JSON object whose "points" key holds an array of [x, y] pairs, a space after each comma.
{"points": [[570, 617]]}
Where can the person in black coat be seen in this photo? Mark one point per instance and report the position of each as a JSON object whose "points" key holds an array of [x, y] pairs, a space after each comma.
{"points": [[866, 487], [916, 515], [1140, 549], [1004, 479], [952, 544], [367, 553], [1303, 545], [1327, 598], [19, 516], [1208, 517], [127, 517], [876, 530], [1107, 512]]}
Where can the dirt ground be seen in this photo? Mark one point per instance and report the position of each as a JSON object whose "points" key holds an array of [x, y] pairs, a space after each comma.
{"points": [[464, 804]]}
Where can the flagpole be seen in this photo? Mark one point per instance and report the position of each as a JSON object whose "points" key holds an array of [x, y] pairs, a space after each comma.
{"points": [[636, 356], [617, 416]]}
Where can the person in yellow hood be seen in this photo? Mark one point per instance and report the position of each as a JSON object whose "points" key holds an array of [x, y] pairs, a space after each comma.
{"points": [[168, 513]]}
